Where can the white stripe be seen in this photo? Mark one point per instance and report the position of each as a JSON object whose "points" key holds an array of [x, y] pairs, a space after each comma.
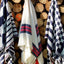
{"points": [[8, 32], [8, 38], [50, 43], [12, 51], [7, 45]]}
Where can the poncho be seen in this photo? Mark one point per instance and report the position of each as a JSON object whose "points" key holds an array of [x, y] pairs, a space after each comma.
{"points": [[29, 38], [7, 33], [54, 35]]}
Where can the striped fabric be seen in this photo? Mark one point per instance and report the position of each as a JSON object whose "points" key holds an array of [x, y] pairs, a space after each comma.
{"points": [[54, 34], [8, 32], [29, 38]]}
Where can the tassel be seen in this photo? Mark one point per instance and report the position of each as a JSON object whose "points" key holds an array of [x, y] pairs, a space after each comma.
{"points": [[36, 62]]}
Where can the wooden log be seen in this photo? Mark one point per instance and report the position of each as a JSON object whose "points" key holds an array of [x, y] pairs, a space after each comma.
{"points": [[62, 9], [62, 19], [39, 7], [10, 4], [43, 1], [45, 22], [43, 15], [47, 5], [40, 22], [15, 46], [19, 61], [0, 2], [23, 6], [16, 1], [13, 15], [42, 31], [16, 54], [18, 17], [17, 24], [45, 53], [17, 7], [33, 1], [42, 40], [59, 2]]}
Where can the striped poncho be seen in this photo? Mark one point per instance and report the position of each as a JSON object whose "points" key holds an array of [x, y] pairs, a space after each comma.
{"points": [[29, 38], [7, 33], [54, 34]]}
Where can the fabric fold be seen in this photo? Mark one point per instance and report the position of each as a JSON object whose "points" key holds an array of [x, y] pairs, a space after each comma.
{"points": [[54, 34], [29, 38], [8, 31]]}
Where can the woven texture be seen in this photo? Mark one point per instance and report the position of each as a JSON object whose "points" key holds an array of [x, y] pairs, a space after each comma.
{"points": [[54, 33], [29, 38], [7, 33]]}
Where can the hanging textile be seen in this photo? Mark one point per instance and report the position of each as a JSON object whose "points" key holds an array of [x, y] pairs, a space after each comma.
{"points": [[7, 33], [29, 38], [54, 35]]}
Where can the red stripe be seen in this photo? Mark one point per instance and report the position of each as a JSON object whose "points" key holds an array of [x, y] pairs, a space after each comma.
{"points": [[36, 28], [37, 32], [26, 30], [40, 49], [35, 50], [26, 27], [40, 45]]}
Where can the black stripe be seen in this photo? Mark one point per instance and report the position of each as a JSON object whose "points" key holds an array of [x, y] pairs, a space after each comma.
{"points": [[9, 35], [8, 30], [26, 25], [10, 39], [26, 32]]}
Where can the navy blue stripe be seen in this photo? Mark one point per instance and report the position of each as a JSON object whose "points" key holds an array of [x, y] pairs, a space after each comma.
{"points": [[2, 58], [8, 13], [38, 34], [9, 24], [51, 39], [60, 28], [51, 31], [26, 28], [10, 39], [26, 32], [26, 25], [8, 19], [13, 23], [52, 23], [35, 46], [36, 25], [12, 19], [9, 34], [37, 30], [12, 48], [48, 23], [39, 43], [49, 47], [14, 27], [34, 54], [11, 51], [14, 31], [47, 29], [46, 35], [1, 4], [8, 30]]}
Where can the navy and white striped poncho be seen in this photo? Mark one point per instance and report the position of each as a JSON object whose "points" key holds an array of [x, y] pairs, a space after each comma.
{"points": [[7, 33], [54, 33]]}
